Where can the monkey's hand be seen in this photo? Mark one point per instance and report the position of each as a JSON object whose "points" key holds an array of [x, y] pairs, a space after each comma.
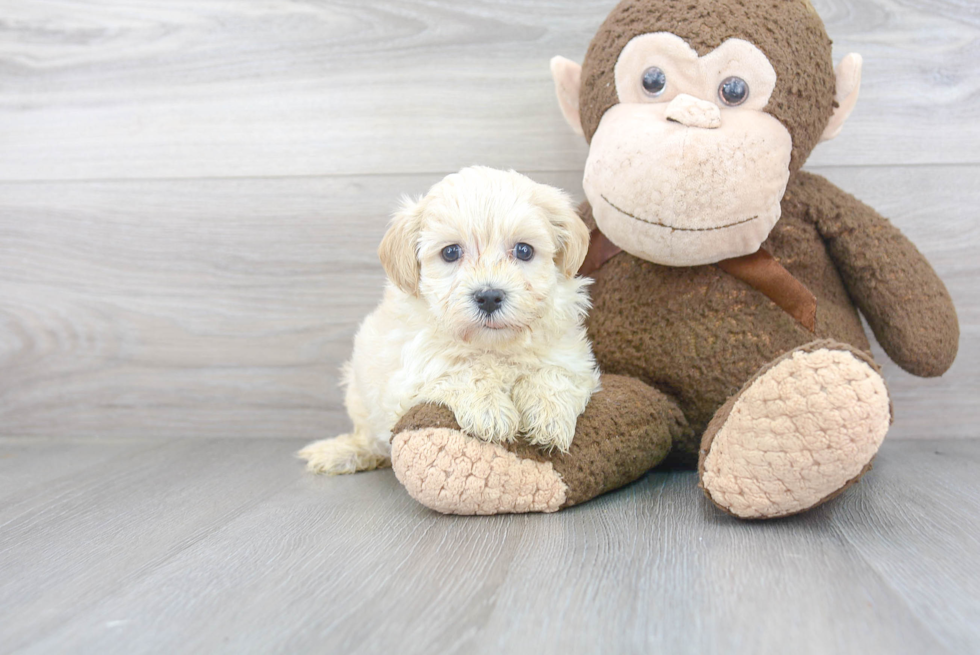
{"points": [[906, 304]]}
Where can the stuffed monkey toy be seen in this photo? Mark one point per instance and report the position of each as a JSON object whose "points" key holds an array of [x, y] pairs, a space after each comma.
{"points": [[727, 280]]}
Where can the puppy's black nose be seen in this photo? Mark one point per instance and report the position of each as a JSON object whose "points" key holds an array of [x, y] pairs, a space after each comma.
{"points": [[489, 300]]}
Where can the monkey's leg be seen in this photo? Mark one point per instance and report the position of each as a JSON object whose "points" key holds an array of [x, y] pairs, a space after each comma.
{"points": [[800, 432], [626, 430]]}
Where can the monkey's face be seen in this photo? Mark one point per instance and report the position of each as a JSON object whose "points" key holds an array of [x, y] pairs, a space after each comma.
{"points": [[688, 169]]}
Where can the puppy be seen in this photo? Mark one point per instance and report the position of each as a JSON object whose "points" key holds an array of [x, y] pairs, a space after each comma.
{"points": [[482, 313]]}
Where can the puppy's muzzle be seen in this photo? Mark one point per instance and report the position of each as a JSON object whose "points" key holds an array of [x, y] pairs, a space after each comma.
{"points": [[489, 300]]}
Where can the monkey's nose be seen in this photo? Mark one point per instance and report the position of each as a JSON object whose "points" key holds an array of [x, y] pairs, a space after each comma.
{"points": [[489, 300], [694, 112]]}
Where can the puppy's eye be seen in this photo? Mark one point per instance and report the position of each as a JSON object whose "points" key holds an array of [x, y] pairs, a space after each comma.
{"points": [[733, 91], [523, 252], [654, 81], [452, 253]]}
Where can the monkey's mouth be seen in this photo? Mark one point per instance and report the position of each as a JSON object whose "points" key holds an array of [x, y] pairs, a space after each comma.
{"points": [[675, 228]]}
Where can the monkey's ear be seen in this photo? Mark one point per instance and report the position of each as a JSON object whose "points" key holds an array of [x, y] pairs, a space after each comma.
{"points": [[571, 234], [568, 81], [398, 251], [848, 87]]}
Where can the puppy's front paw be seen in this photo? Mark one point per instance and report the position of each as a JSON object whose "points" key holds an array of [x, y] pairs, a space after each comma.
{"points": [[548, 424], [549, 412], [491, 417]]}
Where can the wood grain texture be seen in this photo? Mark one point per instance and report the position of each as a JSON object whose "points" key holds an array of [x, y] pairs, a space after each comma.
{"points": [[214, 88], [23, 466], [225, 307], [74, 538], [200, 548]]}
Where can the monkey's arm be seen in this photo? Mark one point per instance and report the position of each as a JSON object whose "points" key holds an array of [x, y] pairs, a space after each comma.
{"points": [[906, 304]]}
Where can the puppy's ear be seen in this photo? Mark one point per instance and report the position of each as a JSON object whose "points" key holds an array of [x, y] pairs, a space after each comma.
{"points": [[571, 234], [399, 247]]}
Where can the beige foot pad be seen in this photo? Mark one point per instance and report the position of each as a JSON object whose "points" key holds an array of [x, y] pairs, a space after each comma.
{"points": [[451, 473], [796, 435]]}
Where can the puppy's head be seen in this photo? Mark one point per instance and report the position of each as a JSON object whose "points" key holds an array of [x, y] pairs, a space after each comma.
{"points": [[488, 251]]}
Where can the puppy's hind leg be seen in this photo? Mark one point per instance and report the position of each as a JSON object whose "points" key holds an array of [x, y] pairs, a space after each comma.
{"points": [[348, 453]]}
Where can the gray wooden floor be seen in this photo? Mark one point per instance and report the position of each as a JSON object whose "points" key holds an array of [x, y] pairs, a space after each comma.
{"points": [[191, 194], [223, 545]]}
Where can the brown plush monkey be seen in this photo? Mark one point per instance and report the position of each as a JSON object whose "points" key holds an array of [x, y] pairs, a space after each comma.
{"points": [[727, 280]]}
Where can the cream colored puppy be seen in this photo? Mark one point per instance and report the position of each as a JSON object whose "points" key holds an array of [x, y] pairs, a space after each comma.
{"points": [[482, 313]]}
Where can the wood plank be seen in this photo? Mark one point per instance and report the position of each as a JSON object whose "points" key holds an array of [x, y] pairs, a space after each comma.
{"points": [[192, 309], [353, 565], [194, 89], [66, 544], [225, 307], [29, 465], [918, 529]]}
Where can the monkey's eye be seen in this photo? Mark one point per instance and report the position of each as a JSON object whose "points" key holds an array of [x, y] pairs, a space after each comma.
{"points": [[733, 91], [452, 253], [523, 252], [654, 81]]}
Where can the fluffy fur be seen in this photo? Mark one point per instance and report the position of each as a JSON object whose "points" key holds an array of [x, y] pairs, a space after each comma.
{"points": [[526, 369]]}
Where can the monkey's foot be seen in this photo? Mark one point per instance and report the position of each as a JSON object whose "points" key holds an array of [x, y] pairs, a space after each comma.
{"points": [[798, 434], [449, 472], [626, 430]]}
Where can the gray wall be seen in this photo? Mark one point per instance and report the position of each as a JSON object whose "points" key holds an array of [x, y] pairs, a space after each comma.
{"points": [[191, 193]]}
